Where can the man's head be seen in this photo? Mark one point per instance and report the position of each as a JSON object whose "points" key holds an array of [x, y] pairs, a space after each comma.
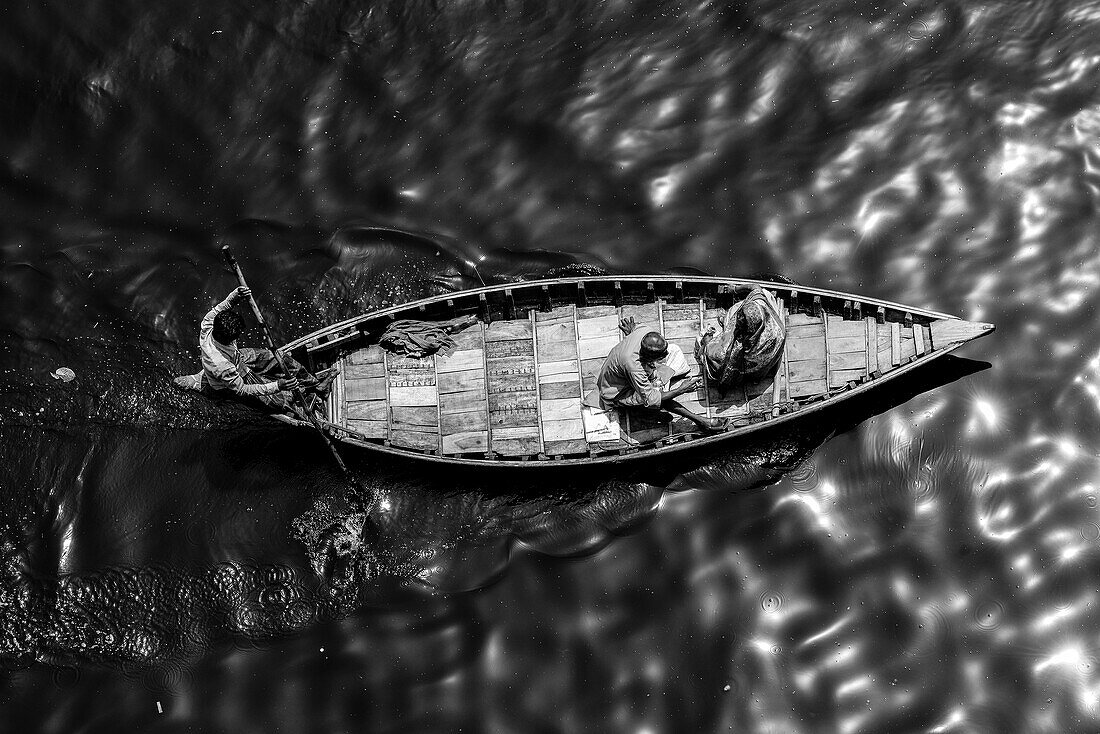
{"points": [[228, 325], [653, 348]]}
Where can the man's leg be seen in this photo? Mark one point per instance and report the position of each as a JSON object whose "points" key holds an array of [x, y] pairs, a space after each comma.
{"points": [[707, 424]]}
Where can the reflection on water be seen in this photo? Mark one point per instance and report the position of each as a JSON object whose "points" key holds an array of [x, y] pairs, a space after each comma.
{"points": [[919, 562]]}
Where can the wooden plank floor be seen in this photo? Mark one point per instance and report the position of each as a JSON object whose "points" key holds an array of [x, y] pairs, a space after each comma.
{"points": [[366, 408], [806, 363], [463, 399], [513, 401], [515, 388], [682, 323], [559, 379]]}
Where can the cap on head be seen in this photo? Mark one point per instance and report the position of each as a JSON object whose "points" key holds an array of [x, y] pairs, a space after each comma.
{"points": [[653, 346]]}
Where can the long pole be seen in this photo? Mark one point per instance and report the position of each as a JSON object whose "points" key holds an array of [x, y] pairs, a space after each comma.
{"points": [[298, 394]]}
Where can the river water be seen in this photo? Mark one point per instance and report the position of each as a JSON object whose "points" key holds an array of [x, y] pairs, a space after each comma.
{"points": [[926, 564]]}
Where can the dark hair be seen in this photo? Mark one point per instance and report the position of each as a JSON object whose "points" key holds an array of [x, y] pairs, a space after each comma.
{"points": [[228, 325], [653, 346]]}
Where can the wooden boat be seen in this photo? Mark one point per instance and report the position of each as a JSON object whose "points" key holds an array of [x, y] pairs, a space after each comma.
{"points": [[510, 395]]}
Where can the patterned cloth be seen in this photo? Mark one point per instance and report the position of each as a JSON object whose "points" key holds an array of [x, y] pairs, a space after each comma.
{"points": [[731, 356]]}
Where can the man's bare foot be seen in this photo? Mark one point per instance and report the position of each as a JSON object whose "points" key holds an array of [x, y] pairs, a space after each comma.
{"points": [[714, 425]]}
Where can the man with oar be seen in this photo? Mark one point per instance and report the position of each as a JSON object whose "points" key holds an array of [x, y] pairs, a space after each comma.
{"points": [[250, 375]]}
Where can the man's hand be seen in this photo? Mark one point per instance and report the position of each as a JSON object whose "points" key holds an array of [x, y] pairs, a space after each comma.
{"points": [[288, 383], [690, 384], [241, 293], [627, 325]]}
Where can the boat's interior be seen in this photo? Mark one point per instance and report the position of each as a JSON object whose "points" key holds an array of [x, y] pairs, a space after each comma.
{"points": [[512, 389]]}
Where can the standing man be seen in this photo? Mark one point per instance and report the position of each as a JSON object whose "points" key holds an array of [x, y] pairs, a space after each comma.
{"points": [[639, 372], [249, 375]]}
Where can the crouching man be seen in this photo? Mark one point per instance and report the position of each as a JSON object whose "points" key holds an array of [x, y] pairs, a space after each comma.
{"points": [[249, 375], [641, 372]]}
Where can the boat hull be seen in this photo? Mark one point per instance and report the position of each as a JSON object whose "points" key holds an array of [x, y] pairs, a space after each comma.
{"points": [[510, 394]]}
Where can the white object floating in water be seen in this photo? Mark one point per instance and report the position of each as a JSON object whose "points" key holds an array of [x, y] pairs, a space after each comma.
{"points": [[64, 374], [159, 709]]}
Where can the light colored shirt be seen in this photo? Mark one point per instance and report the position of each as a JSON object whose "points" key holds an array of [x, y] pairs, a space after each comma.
{"points": [[623, 381], [220, 362]]}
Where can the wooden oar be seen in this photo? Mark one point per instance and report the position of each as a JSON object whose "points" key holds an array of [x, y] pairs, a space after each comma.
{"points": [[298, 394]]}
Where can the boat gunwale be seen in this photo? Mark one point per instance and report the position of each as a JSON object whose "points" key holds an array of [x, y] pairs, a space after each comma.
{"points": [[525, 284]]}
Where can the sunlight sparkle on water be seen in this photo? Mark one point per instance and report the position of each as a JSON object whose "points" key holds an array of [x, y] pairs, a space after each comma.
{"points": [[984, 416]]}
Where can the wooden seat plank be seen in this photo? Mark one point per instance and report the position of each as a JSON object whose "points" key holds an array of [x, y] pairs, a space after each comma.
{"points": [[681, 330], [895, 343], [407, 416], [368, 429], [597, 348], [411, 383], [840, 378], [461, 423], [595, 328], [516, 330], [413, 396], [462, 402], [644, 315], [371, 388], [362, 370], [467, 442], [459, 361], [367, 410], [807, 388], [918, 339], [801, 319], [449, 382], [871, 343], [842, 329], [806, 369], [559, 390], [908, 344], [563, 430], [848, 360], [561, 314], [567, 448], [414, 439], [590, 312], [680, 311], [560, 409], [885, 360], [567, 367], [511, 388], [848, 344]]}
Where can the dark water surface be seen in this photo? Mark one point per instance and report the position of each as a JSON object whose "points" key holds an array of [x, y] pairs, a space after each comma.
{"points": [[925, 564]]}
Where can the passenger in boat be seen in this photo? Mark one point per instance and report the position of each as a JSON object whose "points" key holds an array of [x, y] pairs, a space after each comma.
{"points": [[748, 346], [640, 372], [249, 375]]}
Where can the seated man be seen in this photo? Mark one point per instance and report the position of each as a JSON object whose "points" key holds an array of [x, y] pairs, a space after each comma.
{"points": [[639, 373], [246, 374]]}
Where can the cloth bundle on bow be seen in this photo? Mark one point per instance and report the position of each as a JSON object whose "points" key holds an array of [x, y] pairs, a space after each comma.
{"points": [[423, 338], [749, 344]]}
